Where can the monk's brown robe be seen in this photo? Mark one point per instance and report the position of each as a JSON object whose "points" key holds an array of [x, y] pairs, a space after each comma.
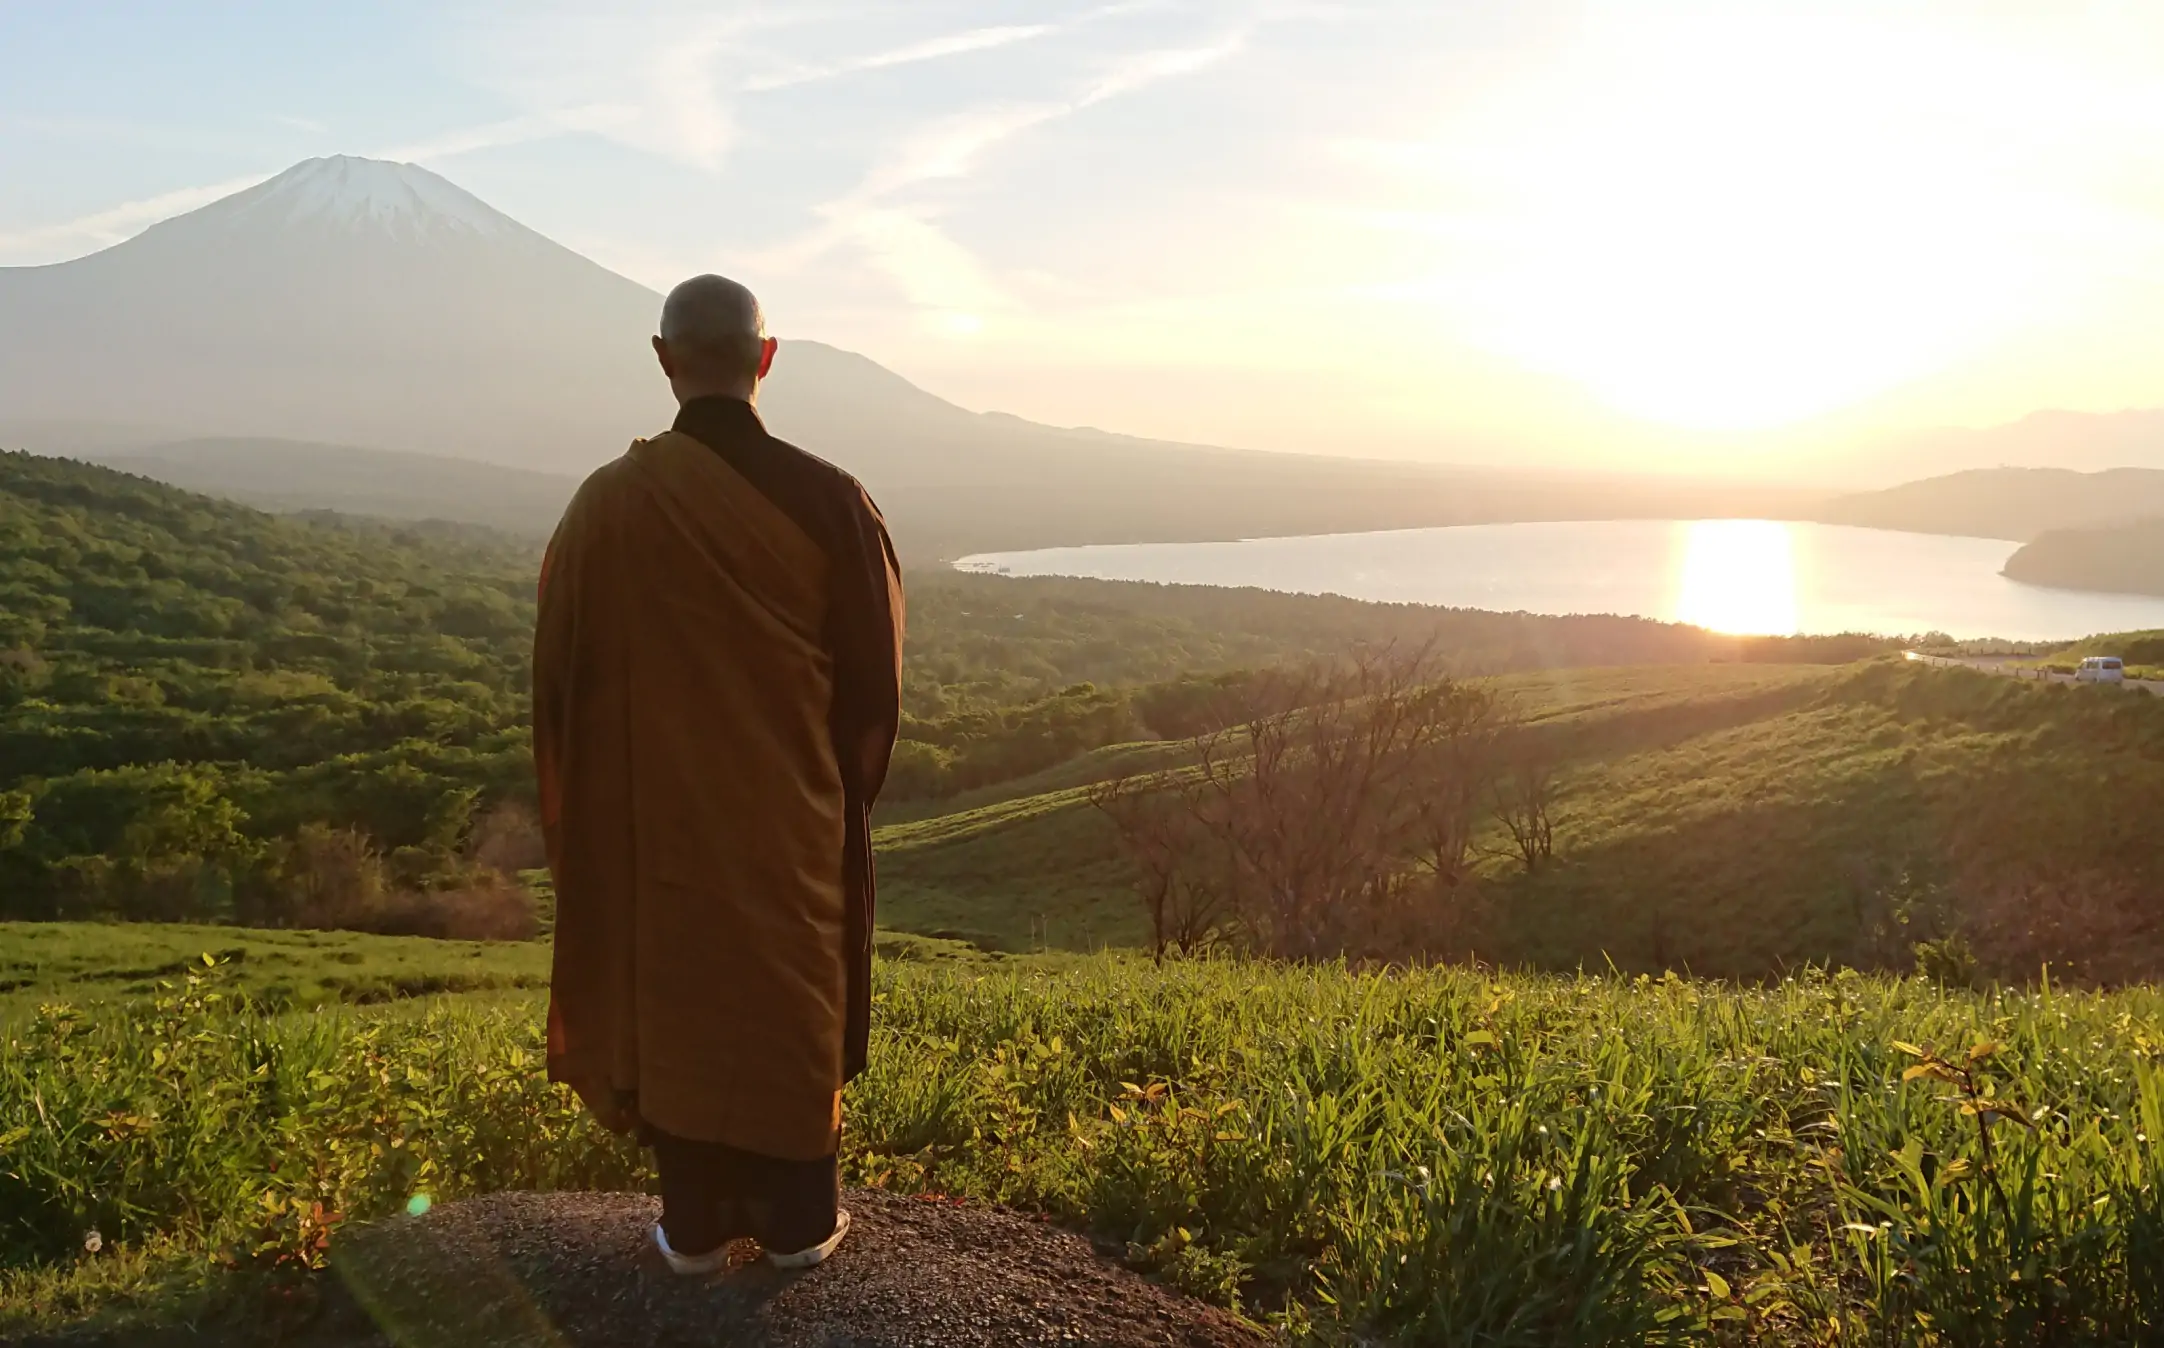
{"points": [[717, 680]]}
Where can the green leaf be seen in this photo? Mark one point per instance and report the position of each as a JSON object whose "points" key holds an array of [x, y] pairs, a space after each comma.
{"points": [[1717, 1285]]}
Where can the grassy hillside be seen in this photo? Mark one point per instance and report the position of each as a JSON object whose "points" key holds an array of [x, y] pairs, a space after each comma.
{"points": [[99, 963], [1600, 1153], [2142, 653], [1030, 863], [1727, 820], [88, 964], [1435, 1157], [1896, 806], [203, 706], [2123, 557]]}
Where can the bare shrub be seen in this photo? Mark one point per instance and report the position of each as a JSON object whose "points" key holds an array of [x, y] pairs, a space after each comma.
{"points": [[508, 839], [490, 908], [327, 877], [1333, 815], [2090, 927], [336, 880], [1161, 837], [1524, 799]]}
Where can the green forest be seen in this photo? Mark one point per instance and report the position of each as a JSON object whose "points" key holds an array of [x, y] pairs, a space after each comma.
{"points": [[212, 713]]}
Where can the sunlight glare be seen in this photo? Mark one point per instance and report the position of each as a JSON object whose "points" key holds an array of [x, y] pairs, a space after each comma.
{"points": [[953, 323], [1737, 576], [1704, 237]]}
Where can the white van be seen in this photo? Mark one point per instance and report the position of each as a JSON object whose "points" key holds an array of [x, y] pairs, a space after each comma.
{"points": [[2101, 669]]}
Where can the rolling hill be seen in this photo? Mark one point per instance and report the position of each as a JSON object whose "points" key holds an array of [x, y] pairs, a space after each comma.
{"points": [[357, 302], [1732, 821], [188, 687], [2077, 441], [300, 475], [2011, 503]]}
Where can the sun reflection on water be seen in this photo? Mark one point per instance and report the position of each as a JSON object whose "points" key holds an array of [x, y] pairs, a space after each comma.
{"points": [[1737, 576]]}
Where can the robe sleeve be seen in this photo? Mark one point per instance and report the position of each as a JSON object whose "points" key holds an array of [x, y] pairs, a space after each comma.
{"points": [[563, 659], [868, 652], [865, 637], [554, 627]]}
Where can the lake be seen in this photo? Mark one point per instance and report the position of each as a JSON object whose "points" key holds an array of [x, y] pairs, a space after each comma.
{"points": [[1747, 576]]}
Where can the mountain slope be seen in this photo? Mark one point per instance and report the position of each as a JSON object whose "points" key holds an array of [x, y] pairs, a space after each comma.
{"points": [[2012, 503], [296, 475], [2080, 441], [345, 301], [350, 301]]}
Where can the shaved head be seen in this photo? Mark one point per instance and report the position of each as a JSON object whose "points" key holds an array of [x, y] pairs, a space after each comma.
{"points": [[713, 337]]}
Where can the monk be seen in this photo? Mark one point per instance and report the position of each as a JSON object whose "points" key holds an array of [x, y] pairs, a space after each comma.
{"points": [[716, 692]]}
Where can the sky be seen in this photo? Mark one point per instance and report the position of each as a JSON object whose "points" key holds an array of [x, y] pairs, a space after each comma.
{"points": [[1695, 237]]}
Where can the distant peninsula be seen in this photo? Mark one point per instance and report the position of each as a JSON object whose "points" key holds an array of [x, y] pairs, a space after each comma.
{"points": [[2128, 558]]}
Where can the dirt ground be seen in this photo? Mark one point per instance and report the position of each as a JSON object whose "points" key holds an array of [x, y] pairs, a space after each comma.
{"points": [[571, 1270]]}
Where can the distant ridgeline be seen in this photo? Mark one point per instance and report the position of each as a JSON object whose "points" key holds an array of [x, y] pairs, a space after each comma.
{"points": [[208, 711]]}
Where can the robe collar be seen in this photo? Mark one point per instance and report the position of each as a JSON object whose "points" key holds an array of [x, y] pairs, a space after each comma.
{"points": [[717, 415]]}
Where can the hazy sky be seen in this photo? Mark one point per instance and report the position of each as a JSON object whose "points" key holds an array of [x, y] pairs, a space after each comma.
{"points": [[1650, 233]]}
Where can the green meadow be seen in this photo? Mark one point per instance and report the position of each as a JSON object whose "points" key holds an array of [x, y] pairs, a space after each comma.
{"points": [[1434, 1156]]}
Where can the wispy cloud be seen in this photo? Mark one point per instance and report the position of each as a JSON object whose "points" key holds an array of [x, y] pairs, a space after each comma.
{"points": [[666, 78], [931, 49], [509, 131], [929, 268], [950, 147], [101, 229], [1145, 68], [687, 105]]}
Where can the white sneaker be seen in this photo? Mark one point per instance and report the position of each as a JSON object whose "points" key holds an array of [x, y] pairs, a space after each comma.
{"points": [[692, 1265], [808, 1257]]}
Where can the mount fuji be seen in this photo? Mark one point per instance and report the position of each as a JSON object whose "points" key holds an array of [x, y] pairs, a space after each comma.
{"points": [[345, 300], [291, 334]]}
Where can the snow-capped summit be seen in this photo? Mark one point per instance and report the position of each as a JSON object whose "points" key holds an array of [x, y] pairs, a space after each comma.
{"points": [[351, 192]]}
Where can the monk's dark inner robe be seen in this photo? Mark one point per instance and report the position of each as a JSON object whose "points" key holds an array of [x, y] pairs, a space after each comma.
{"points": [[716, 696]]}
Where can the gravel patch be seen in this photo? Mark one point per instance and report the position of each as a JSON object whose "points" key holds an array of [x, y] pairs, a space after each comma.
{"points": [[575, 1269]]}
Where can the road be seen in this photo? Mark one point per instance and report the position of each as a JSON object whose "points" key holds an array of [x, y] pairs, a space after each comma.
{"points": [[2007, 667]]}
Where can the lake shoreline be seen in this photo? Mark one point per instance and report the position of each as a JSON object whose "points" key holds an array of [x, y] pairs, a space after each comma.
{"points": [[1754, 577]]}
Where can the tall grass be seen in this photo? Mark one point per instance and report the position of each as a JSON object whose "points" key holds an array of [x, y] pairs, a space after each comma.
{"points": [[1440, 1157]]}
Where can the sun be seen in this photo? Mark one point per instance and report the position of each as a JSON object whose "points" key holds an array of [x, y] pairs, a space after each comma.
{"points": [[1747, 223], [1737, 576]]}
